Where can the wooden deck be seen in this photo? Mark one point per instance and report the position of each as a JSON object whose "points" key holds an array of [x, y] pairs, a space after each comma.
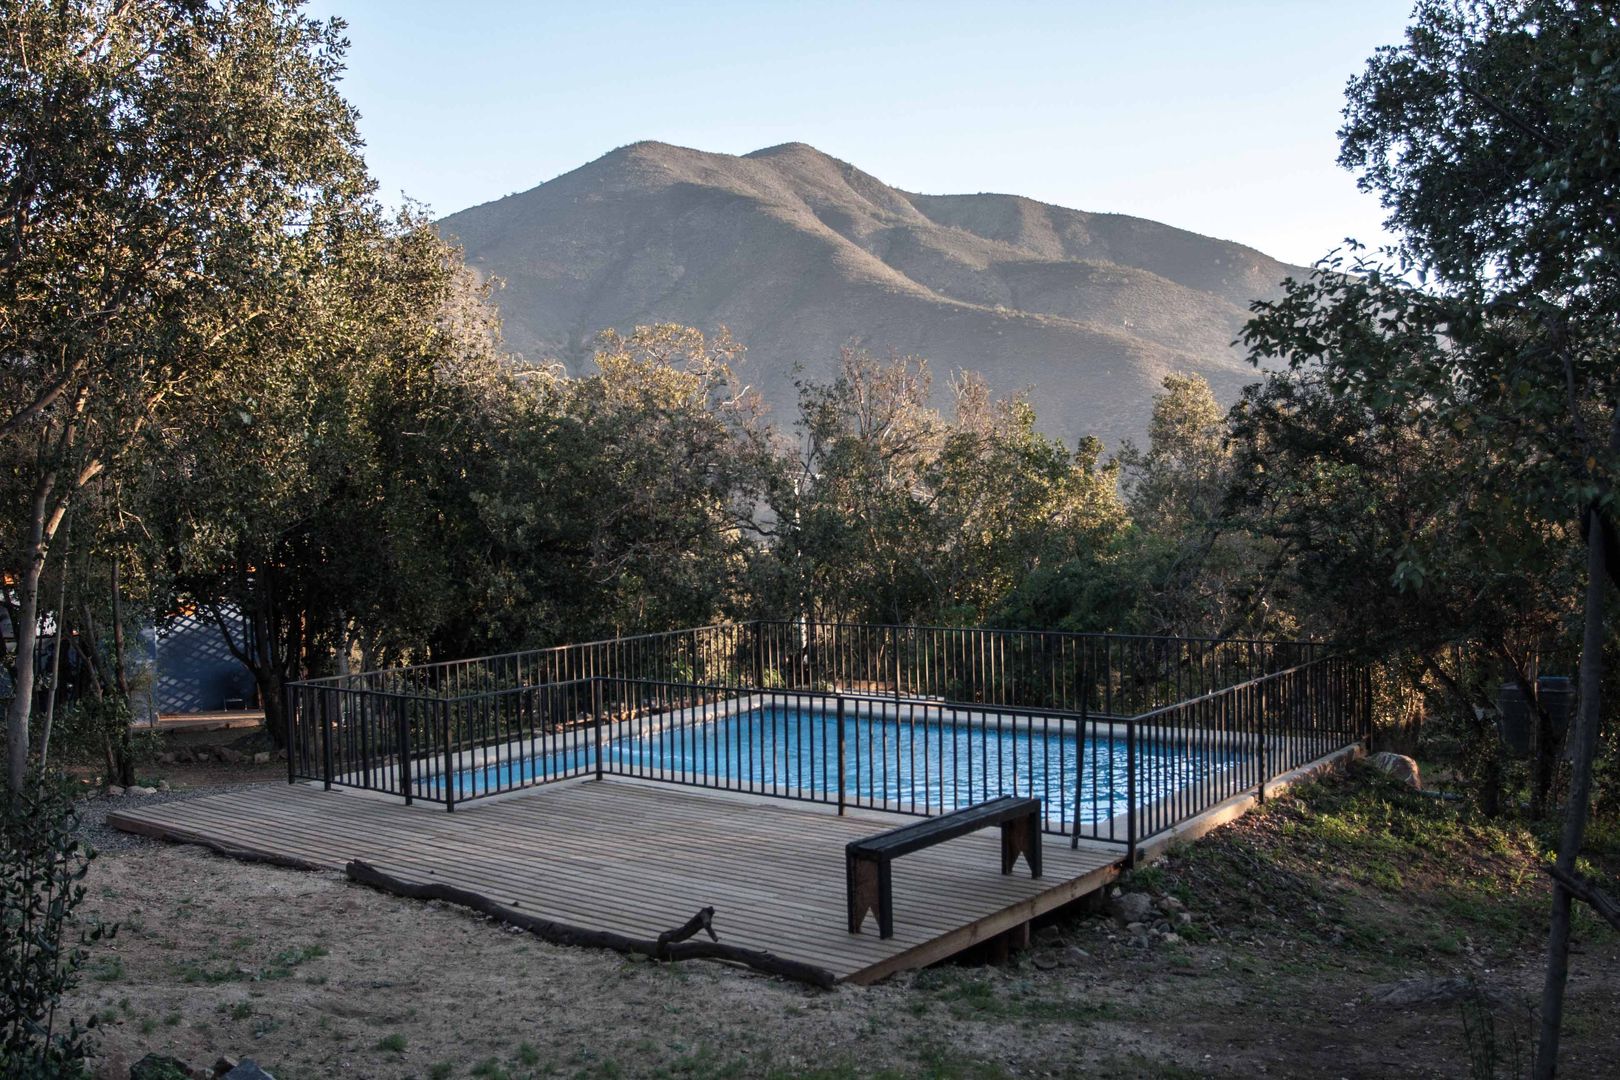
{"points": [[638, 859]]}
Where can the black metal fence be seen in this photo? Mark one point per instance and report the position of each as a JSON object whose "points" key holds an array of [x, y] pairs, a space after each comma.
{"points": [[1121, 737]]}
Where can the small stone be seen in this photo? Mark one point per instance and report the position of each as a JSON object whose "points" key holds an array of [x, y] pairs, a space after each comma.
{"points": [[158, 1067], [140, 789], [1184, 918], [167, 758], [262, 758], [1045, 960], [163, 785], [113, 790], [1170, 903], [1075, 954], [1137, 929], [1172, 939], [227, 755]]}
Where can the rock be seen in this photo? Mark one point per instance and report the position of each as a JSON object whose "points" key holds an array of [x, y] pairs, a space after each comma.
{"points": [[1399, 766], [158, 1067], [262, 758], [113, 790], [1431, 991], [167, 758], [139, 789], [112, 1066], [1131, 907], [1170, 903], [163, 785], [1172, 939], [1076, 955], [248, 1070], [1045, 959], [227, 755], [1184, 918]]}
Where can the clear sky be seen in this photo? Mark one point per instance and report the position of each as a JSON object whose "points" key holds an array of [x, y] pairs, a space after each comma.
{"points": [[1212, 115]]}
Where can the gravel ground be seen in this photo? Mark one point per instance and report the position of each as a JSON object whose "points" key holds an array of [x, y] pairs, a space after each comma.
{"points": [[105, 839]]}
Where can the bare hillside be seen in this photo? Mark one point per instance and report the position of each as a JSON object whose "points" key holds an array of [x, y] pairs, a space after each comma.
{"points": [[800, 253]]}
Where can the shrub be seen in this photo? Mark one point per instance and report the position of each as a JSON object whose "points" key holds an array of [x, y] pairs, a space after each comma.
{"points": [[42, 868]]}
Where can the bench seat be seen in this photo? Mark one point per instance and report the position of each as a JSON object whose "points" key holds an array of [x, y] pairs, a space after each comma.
{"points": [[866, 861]]}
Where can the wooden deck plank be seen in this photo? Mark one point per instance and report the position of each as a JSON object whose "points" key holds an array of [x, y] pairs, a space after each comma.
{"points": [[638, 858]]}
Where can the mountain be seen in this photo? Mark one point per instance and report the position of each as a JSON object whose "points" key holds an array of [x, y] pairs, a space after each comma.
{"points": [[799, 253]]}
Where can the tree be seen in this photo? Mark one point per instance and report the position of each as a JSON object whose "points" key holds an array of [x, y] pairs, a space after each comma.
{"points": [[1199, 576], [891, 512], [158, 158], [316, 482], [1489, 135]]}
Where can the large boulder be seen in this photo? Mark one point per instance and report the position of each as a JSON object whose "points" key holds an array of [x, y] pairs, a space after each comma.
{"points": [[1399, 766], [1131, 907]]}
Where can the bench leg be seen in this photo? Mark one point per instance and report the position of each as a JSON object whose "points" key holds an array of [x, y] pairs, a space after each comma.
{"points": [[1021, 837], [885, 901], [864, 883]]}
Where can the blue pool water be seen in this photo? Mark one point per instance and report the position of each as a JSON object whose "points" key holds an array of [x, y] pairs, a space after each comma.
{"points": [[934, 765]]}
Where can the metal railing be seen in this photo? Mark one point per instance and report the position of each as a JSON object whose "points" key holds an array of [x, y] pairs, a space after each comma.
{"points": [[802, 711]]}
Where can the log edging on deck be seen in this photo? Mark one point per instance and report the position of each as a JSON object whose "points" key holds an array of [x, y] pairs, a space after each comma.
{"points": [[564, 934]]}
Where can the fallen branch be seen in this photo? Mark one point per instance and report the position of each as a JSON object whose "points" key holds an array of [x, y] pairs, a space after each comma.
{"points": [[1582, 889], [670, 945], [703, 920]]}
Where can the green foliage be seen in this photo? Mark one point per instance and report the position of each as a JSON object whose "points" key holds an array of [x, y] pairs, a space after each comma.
{"points": [[892, 513], [42, 941]]}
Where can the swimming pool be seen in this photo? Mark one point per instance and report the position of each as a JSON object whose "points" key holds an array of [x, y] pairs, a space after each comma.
{"points": [[928, 763]]}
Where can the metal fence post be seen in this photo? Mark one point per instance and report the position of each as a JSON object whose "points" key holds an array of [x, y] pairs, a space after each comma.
{"points": [[841, 751], [1265, 760], [327, 726], [405, 749], [1079, 771], [1130, 794], [294, 710], [759, 657], [449, 760], [596, 713]]}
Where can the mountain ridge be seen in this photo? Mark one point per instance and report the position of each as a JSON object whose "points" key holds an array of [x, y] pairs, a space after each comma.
{"points": [[799, 253]]}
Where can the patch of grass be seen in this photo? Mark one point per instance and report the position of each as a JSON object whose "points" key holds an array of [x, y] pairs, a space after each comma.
{"points": [[973, 998], [392, 1044], [280, 966], [441, 1070], [1328, 860], [527, 1055], [490, 1069], [109, 970]]}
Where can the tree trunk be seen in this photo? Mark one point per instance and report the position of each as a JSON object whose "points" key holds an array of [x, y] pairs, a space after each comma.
{"points": [[1580, 794], [27, 627], [56, 654], [122, 737]]}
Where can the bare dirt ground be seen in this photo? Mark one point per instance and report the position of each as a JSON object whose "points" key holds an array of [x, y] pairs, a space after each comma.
{"points": [[1299, 919]]}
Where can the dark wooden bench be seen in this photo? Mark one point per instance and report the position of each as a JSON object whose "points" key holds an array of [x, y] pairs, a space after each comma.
{"points": [[866, 861]]}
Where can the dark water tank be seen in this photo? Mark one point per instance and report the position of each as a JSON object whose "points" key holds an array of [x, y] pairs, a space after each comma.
{"points": [[1515, 718]]}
